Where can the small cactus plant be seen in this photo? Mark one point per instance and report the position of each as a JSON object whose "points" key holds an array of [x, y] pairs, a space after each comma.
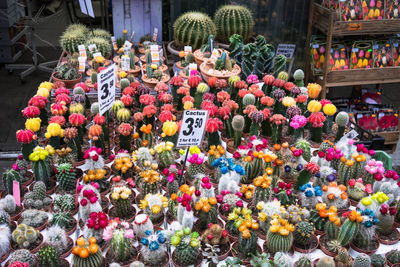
{"points": [[37, 198], [304, 262], [123, 206], [66, 177], [342, 118], [279, 236], [8, 178], [393, 256], [48, 256], [377, 260], [87, 253], [22, 256], [187, 247], [362, 260], [326, 262], [25, 236], [303, 233]]}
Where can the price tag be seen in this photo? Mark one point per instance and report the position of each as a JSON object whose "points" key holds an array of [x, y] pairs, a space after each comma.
{"points": [[155, 56], [125, 63], [128, 44], [192, 66], [97, 54], [192, 130], [126, 50], [16, 193], [82, 64], [106, 88], [114, 43], [286, 49], [82, 50], [92, 47], [155, 34], [214, 54], [187, 49], [315, 46]]}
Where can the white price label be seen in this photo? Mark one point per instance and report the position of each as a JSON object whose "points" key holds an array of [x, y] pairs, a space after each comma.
{"points": [[155, 34], [82, 50], [97, 54], [92, 47], [82, 64], [286, 49], [128, 44], [187, 49], [192, 130], [125, 63], [106, 88], [155, 56], [126, 50], [192, 66], [214, 54], [114, 43]]}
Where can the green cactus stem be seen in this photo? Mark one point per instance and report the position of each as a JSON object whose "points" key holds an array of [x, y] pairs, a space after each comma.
{"points": [[8, 178]]}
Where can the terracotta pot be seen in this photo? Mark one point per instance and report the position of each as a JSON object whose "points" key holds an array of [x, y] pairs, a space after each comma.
{"points": [[197, 264], [388, 242], [198, 57], [164, 264], [106, 63], [33, 250], [70, 246], [325, 250], [112, 212], [388, 263], [260, 234], [305, 251], [70, 232], [230, 145], [79, 163], [368, 252], [132, 259], [105, 203], [68, 83], [319, 232], [353, 202], [40, 228], [17, 214], [206, 66], [151, 84]]}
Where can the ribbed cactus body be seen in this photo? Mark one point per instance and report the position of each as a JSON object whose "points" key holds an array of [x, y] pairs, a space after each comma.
{"points": [[304, 262], [205, 218], [22, 255], [186, 255], [195, 169], [93, 260], [233, 19], [8, 178], [261, 194], [331, 230], [279, 64], [265, 60], [4, 217], [148, 188], [364, 237], [193, 28], [347, 232], [385, 225], [393, 256], [165, 159], [70, 40], [123, 208], [345, 172], [103, 46], [39, 190], [304, 233], [48, 256], [253, 169], [277, 242], [377, 260], [236, 48], [247, 245], [249, 58], [305, 145], [120, 246], [66, 177], [317, 220], [41, 171], [362, 260]]}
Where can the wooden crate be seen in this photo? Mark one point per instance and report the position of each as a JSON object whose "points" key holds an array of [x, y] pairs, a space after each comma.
{"points": [[391, 138]]}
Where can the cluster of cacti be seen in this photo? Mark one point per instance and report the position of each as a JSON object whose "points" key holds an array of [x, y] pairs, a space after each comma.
{"points": [[295, 213], [66, 177], [187, 247], [74, 36], [48, 256], [34, 218], [65, 203], [279, 64], [66, 71], [196, 166], [8, 178], [304, 233], [165, 154], [121, 196], [343, 259], [279, 236], [57, 238], [233, 19], [37, 198], [215, 235], [188, 59], [193, 28], [87, 253], [153, 248], [207, 212], [377, 260], [23, 256], [25, 236], [103, 46]]}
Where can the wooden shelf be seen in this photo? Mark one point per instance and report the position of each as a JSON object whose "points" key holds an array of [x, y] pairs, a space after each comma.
{"points": [[321, 21]]}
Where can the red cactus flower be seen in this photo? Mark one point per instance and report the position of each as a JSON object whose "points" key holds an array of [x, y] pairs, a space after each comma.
{"points": [[269, 79], [63, 98], [213, 125], [277, 119], [166, 115], [168, 107], [99, 119], [222, 96], [58, 119], [31, 112], [38, 101], [267, 101], [224, 112], [165, 97], [212, 81], [147, 99], [193, 81], [149, 111], [312, 167], [128, 91], [138, 116], [324, 102], [61, 90], [317, 119], [183, 91], [249, 109], [177, 81], [187, 98], [161, 87], [127, 100], [221, 83], [25, 136], [301, 98], [83, 86], [231, 104], [279, 83], [135, 86], [258, 93], [76, 119], [243, 92], [125, 129], [58, 109], [210, 107], [267, 113]]}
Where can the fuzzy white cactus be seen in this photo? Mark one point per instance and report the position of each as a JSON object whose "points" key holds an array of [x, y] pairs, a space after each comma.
{"points": [[4, 239], [185, 217], [141, 224], [229, 181], [84, 211], [8, 204]]}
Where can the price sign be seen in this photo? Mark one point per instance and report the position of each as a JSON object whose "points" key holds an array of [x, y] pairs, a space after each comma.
{"points": [[155, 34], [286, 49], [192, 130], [125, 63], [128, 44], [17, 193], [82, 50], [106, 88], [187, 49], [192, 66], [97, 54], [114, 42], [82, 64], [92, 47]]}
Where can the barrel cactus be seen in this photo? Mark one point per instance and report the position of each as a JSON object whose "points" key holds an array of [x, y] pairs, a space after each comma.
{"points": [[187, 246], [304, 262], [279, 236], [23, 256], [73, 37], [193, 28], [233, 19], [103, 46], [326, 262], [303, 233], [66, 176], [362, 260], [48, 256], [377, 260], [393, 256]]}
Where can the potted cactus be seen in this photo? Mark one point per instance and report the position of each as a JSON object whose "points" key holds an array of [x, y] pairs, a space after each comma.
{"points": [[153, 251], [26, 237], [88, 199], [279, 236], [67, 74], [122, 204], [56, 237], [153, 205], [49, 256], [120, 235], [187, 248], [217, 237], [87, 253], [28, 140], [22, 256], [37, 198]]}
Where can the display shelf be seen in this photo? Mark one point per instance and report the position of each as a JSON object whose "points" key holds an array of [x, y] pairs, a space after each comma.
{"points": [[326, 21]]}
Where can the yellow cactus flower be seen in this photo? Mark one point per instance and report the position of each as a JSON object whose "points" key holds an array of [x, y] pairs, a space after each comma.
{"points": [[170, 128], [156, 209], [54, 129], [329, 109], [33, 124], [314, 106], [47, 85], [288, 101], [43, 92], [188, 105], [122, 74]]}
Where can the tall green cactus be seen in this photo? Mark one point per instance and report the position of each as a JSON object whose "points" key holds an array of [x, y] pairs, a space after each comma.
{"points": [[8, 178], [123, 208], [236, 48], [248, 245], [66, 176], [41, 171], [249, 59], [193, 28], [121, 247], [233, 19], [347, 232], [279, 64]]}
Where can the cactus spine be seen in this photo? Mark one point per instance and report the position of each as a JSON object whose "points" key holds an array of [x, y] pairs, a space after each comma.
{"points": [[348, 230], [362, 260], [277, 242], [48, 256], [304, 233], [121, 246], [66, 177], [248, 245], [193, 28], [8, 178], [304, 262], [331, 230]]}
